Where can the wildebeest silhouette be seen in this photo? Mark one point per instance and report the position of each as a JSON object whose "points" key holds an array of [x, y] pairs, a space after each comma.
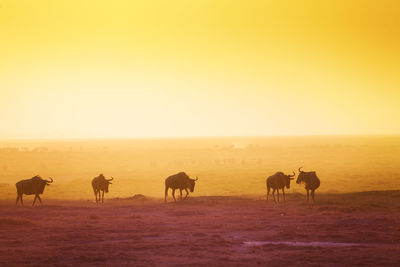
{"points": [[310, 180], [100, 185], [278, 181], [179, 181], [33, 186]]}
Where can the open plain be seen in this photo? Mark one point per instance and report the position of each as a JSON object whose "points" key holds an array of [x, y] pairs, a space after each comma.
{"points": [[356, 229], [226, 221]]}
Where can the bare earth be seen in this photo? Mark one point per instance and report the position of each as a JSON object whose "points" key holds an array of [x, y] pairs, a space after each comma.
{"points": [[357, 229]]}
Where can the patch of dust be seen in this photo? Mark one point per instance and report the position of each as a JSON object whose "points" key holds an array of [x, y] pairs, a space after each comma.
{"points": [[304, 244]]}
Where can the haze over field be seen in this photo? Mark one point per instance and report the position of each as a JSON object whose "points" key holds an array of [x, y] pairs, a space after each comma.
{"points": [[225, 166]]}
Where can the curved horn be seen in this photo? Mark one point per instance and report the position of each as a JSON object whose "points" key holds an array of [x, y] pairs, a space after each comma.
{"points": [[197, 178], [112, 178], [294, 174], [48, 181], [300, 169]]}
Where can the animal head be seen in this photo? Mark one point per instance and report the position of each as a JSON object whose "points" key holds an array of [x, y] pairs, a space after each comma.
{"points": [[43, 181], [305, 176], [288, 178], [107, 182], [192, 183], [300, 176], [48, 182]]}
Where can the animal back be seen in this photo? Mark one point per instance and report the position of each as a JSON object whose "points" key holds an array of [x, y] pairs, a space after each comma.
{"points": [[177, 181]]}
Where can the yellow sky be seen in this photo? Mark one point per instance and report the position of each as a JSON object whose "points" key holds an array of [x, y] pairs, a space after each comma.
{"points": [[83, 69]]}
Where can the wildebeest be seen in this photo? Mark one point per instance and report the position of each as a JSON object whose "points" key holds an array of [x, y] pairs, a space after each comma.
{"points": [[310, 180], [179, 181], [34, 186], [278, 181], [100, 183]]}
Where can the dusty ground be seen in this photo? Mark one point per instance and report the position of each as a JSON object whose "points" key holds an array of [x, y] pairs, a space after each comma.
{"points": [[356, 229]]}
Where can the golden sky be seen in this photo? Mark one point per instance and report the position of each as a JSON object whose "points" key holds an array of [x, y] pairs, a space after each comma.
{"points": [[108, 69]]}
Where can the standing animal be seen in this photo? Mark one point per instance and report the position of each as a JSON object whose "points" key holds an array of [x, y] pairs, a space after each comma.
{"points": [[100, 185], [310, 180], [179, 181], [278, 181], [34, 186]]}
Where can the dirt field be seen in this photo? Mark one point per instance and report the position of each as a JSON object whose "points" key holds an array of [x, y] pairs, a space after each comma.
{"points": [[356, 229]]}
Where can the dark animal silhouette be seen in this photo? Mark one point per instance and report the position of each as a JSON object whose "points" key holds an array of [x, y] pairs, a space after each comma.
{"points": [[100, 185], [278, 181], [310, 180], [34, 186], [179, 181]]}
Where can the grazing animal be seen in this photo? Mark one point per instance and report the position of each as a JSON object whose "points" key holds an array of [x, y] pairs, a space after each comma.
{"points": [[310, 180], [34, 186], [100, 185], [179, 181], [278, 181]]}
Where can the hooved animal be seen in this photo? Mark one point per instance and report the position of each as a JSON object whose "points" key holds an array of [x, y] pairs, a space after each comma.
{"points": [[34, 186], [310, 180], [278, 181], [179, 181], [100, 185]]}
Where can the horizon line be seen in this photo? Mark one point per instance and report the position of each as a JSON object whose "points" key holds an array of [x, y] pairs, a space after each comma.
{"points": [[193, 137]]}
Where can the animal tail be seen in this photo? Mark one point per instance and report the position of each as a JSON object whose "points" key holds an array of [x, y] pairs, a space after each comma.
{"points": [[18, 189], [268, 189], [166, 193]]}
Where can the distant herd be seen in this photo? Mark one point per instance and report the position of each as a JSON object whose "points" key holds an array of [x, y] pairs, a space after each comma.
{"points": [[35, 185]]}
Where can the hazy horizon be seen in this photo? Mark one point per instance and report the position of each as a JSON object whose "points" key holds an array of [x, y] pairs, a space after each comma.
{"points": [[225, 166], [200, 137]]}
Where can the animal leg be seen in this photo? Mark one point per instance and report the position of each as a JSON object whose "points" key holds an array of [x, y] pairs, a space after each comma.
{"points": [[278, 193], [273, 194], [187, 193], [95, 194], [40, 200], [173, 194], [102, 200], [166, 194], [283, 192], [16, 201], [34, 200], [181, 193], [268, 192], [312, 194], [308, 194], [22, 202]]}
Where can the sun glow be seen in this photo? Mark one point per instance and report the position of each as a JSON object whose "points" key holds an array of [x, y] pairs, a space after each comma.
{"points": [[109, 69]]}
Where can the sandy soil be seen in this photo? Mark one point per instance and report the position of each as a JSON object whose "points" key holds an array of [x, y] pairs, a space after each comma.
{"points": [[356, 229]]}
